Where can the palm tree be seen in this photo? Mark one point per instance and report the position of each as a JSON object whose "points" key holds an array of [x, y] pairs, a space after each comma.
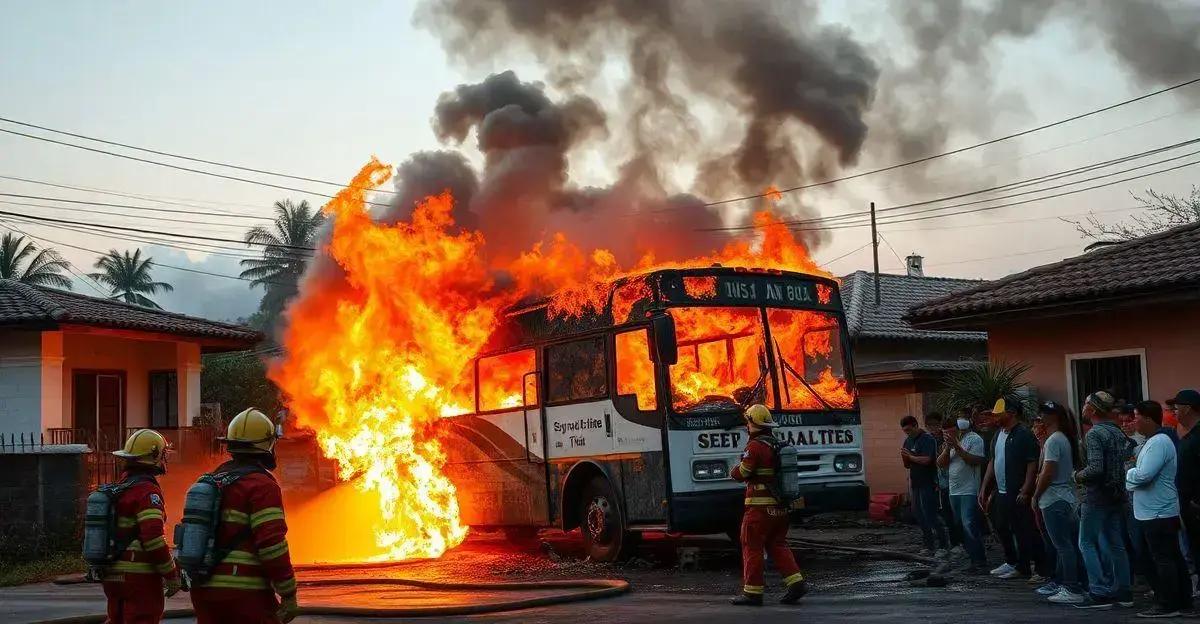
{"points": [[980, 384], [128, 275], [44, 268], [281, 265]]}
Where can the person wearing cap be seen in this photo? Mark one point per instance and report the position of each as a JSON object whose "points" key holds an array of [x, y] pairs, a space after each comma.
{"points": [[919, 455], [1186, 404], [1156, 508], [765, 521], [1012, 470], [1101, 532]]}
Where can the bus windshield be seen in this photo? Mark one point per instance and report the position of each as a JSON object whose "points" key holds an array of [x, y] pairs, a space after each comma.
{"points": [[809, 360], [724, 361]]}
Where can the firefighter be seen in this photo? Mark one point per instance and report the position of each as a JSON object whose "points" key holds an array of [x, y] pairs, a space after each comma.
{"points": [[252, 530], [765, 521], [145, 572]]}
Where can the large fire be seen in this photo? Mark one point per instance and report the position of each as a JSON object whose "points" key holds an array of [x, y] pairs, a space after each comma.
{"points": [[376, 357]]}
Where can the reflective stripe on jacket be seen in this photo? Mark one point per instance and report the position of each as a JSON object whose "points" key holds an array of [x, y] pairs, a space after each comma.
{"points": [[253, 524], [757, 471], [140, 520]]}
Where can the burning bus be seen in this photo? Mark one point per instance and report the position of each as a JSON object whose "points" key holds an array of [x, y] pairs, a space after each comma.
{"points": [[626, 416]]}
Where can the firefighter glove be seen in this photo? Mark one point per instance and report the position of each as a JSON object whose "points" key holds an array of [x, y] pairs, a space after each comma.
{"points": [[171, 586], [288, 609]]}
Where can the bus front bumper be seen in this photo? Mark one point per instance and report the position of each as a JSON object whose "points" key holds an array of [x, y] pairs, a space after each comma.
{"points": [[721, 510]]}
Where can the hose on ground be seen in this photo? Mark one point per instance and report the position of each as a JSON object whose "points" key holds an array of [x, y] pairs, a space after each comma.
{"points": [[583, 589], [877, 552]]}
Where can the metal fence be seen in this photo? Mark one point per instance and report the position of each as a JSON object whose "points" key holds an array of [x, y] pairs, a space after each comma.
{"points": [[188, 444], [22, 443]]}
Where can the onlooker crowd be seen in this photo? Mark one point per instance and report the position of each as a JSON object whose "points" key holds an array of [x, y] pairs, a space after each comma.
{"points": [[1083, 517]]}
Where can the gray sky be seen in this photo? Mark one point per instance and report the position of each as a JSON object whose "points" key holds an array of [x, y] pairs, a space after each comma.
{"points": [[317, 88]]}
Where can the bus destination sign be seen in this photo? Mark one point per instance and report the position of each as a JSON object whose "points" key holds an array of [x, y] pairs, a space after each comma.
{"points": [[775, 291]]}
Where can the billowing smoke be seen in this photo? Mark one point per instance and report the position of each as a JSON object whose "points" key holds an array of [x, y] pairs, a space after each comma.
{"points": [[722, 99]]}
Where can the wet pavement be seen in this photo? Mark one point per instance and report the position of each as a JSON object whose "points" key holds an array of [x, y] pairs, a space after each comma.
{"points": [[844, 587]]}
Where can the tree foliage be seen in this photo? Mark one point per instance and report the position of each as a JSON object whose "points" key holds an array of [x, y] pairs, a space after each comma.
{"points": [[238, 381], [980, 385], [128, 275], [279, 269], [23, 261], [1161, 212]]}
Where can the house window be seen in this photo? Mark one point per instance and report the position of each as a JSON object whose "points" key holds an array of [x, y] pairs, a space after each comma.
{"points": [[1122, 373], [164, 395]]}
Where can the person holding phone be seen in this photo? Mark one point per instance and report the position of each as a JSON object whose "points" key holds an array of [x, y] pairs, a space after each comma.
{"points": [[919, 455], [963, 456]]}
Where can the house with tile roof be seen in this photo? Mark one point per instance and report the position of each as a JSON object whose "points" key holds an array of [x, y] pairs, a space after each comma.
{"points": [[897, 367], [1123, 318], [81, 369]]}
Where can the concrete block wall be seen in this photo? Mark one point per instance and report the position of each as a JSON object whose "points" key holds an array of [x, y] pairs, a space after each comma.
{"points": [[41, 495]]}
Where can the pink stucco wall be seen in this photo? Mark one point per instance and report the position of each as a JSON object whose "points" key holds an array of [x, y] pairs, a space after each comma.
{"points": [[1169, 333]]}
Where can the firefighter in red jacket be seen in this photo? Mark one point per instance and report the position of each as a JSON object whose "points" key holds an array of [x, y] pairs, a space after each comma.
{"points": [[137, 582], [244, 584], [765, 521]]}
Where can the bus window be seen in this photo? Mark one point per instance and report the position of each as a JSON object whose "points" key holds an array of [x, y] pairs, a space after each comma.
{"points": [[500, 378], [808, 348], [576, 371], [722, 360], [635, 371]]}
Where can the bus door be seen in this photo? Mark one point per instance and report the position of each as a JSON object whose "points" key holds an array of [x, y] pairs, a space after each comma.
{"points": [[535, 420]]}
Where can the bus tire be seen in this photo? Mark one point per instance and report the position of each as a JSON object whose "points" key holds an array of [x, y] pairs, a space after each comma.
{"points": [[601, 522]]}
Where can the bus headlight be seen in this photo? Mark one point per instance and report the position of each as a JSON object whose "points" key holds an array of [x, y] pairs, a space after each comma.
{"points": [[848, 463], [710, 470]]}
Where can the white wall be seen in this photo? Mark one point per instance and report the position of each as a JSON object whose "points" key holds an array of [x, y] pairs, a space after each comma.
{"points": [[20, 382]]}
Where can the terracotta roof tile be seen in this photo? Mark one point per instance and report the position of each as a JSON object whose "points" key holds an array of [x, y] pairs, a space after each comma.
{"points": [[25, 303], [1169, 260]]}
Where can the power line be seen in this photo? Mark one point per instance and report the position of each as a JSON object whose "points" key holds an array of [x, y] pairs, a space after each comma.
{"points": [[1066, 173], [164, 265], [959, 150], [161, 233], [75, 209], [890, 247], [847, 254], [985, 208], [156, 198], [180, 168], [206, 248], [78, 273], [183, 157], [131, 207]]}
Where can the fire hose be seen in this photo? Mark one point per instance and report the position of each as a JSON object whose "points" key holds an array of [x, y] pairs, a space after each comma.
{"points": [[582, 589]]}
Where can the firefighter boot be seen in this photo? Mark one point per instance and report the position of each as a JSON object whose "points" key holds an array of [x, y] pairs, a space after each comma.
{"points": [[795, 592], [747, 600]]}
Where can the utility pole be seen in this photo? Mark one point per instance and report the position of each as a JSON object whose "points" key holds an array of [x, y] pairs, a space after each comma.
{"points": [[875, 252]]}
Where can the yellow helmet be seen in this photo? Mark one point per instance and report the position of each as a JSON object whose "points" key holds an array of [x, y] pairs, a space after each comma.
{"points": [[145, 446], [759, 416], [250, 432]]}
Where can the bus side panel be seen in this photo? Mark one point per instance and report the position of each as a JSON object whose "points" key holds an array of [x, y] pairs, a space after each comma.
{"points": [[644, 482], [499, 483]]}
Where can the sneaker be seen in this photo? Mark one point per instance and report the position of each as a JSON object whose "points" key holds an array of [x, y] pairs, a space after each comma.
{"points": [[1124, 599], [1038, 579], [1094, 602], [1012, 574], [1049, 589], [1003, 569], [1066, 596], [1158, 612]]}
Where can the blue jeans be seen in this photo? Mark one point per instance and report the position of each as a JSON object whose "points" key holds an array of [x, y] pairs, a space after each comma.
{"points": [[1103, 547], [925, 509], [1062, 525], [966, 518]]}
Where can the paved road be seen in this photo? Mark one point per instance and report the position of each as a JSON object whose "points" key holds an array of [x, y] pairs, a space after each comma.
{"points": [[846, 588]]}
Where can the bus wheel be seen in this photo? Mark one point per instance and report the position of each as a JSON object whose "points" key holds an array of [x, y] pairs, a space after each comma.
{"points": [[601, 522]]}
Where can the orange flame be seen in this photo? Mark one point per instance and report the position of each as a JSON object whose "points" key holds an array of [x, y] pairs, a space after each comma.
{"points": [[376, 355]]}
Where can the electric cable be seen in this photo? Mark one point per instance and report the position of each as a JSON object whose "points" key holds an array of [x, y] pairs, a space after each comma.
{"points": [[961, 149], [132, 207]]}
